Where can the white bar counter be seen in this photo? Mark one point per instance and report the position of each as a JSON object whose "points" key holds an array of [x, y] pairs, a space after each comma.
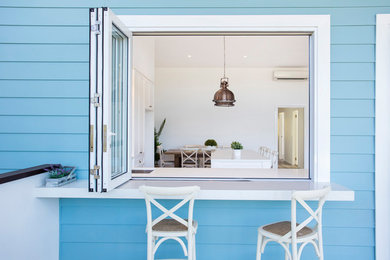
{"points": [[212, 189], [248, 159]]}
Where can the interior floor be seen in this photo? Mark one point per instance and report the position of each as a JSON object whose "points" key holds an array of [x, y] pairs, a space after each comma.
{"points": [[285, 165]]}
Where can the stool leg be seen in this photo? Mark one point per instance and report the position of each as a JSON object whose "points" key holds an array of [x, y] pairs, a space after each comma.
{"points": [[294, 250], [150, 247], [320, 245], [190, 247], [286, 256], [259, 244], [194, 248]]}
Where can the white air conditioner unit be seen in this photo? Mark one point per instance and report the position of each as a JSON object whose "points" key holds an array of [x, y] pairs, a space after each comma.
{"points": [[301, 74]]}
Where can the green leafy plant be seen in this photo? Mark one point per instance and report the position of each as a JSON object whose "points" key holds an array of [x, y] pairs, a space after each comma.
{"points": [[236, 146], [157, 141], [57, 171], [210, 142]]}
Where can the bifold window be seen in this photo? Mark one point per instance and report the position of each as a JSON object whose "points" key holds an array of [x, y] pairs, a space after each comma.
{"points": [[152, 111], [110, 77]]}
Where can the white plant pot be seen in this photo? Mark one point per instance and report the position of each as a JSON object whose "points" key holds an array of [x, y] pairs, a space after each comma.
{"points": [[237, 154]]}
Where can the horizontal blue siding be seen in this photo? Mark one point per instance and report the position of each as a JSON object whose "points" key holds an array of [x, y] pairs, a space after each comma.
{"points": [[49, 88], [44, 119], [44, 53]]}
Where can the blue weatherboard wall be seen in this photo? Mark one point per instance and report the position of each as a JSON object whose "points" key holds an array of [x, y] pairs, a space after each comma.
{"points": [[44, 118]]}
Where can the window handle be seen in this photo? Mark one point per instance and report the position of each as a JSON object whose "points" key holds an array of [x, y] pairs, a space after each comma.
{"points": [[104, 138], [91, 140]]}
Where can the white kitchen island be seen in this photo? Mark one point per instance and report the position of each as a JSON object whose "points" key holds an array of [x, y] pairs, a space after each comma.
{"points": [[249, 159]]}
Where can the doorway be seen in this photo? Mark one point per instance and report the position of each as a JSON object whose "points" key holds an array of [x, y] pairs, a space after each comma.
{"points": [[291, 135]]}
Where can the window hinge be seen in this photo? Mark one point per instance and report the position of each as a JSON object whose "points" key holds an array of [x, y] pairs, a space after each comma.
{"points": [[95, 172], [95, 27], [95, 100]]}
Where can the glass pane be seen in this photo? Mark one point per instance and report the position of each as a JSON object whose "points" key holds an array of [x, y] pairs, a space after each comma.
{"points": [[119, 104]]}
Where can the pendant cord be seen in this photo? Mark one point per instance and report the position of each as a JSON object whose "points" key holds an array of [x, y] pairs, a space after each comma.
{"points": [[224, 56]]}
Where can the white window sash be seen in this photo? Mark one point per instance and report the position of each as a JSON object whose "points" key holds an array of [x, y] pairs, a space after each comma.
{"points": [[100, 115]]}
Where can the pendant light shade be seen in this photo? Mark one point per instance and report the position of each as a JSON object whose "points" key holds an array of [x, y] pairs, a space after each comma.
{"points": [[224, 97]]}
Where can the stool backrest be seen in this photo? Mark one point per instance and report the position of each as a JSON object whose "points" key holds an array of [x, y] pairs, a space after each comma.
{"points": [[274, 159], [301, 197], [185, 194], [189, 156], [206, 155], [262, 150]]}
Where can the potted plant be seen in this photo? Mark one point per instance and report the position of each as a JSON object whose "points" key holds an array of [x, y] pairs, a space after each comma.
{"points": [[211, 144], [237, 147], [59, 175], [157, 140]]}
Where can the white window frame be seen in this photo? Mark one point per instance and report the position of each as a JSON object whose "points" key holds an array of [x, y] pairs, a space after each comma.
{"points": [[100, 176], [317, 25], [382, 137]]}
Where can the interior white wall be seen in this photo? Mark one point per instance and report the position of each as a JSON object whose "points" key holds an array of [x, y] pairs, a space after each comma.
{"points": [[29, 226], [184, 97], [288, 133], [144, 62]]}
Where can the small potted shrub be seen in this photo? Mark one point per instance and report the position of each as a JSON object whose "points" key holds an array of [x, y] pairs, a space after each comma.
{"points": [[59, 175], [211, 144], [237, 147]]}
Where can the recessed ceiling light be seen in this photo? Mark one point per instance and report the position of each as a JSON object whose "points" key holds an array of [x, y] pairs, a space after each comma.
{"points": [[189, 56], [245, 56]]}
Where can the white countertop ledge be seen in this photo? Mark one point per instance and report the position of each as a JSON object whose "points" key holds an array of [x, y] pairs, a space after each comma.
{"points": [[210, 189], [225, 173]]}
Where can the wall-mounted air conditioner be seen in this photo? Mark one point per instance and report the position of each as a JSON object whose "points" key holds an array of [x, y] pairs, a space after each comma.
{"points": [[297, 74]]}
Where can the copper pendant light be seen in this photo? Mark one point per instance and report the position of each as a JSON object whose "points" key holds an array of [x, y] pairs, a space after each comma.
{"points": [[224, 97]]}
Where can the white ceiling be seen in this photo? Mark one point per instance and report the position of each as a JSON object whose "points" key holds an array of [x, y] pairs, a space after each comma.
{"points": [[241, 51]]}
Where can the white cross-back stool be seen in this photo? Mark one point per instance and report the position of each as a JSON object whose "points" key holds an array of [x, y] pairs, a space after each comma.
{"points": [[206, 158], [291, 232], [274, 159], [170, 226], [162, 161], [189, 157]]}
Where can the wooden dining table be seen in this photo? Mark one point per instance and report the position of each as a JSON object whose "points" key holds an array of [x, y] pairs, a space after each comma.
{"points": [[177, 155]]}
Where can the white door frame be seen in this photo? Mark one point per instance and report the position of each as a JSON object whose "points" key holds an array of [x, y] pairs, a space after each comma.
{"points": [[295, 130], [382, 137], [280, 129], [317, 25], [306, 122]]}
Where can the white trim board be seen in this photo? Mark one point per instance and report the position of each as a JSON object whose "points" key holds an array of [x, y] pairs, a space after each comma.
{"points": [[382, 137], [317, 25]]}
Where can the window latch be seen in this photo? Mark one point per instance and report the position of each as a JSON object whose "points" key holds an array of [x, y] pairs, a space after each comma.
{"points": [[96, 27], [95, 100], [95, 172]]}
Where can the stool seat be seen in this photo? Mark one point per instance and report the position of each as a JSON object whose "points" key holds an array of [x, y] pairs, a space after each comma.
{"points": [[172, 225], [283, 227]]}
